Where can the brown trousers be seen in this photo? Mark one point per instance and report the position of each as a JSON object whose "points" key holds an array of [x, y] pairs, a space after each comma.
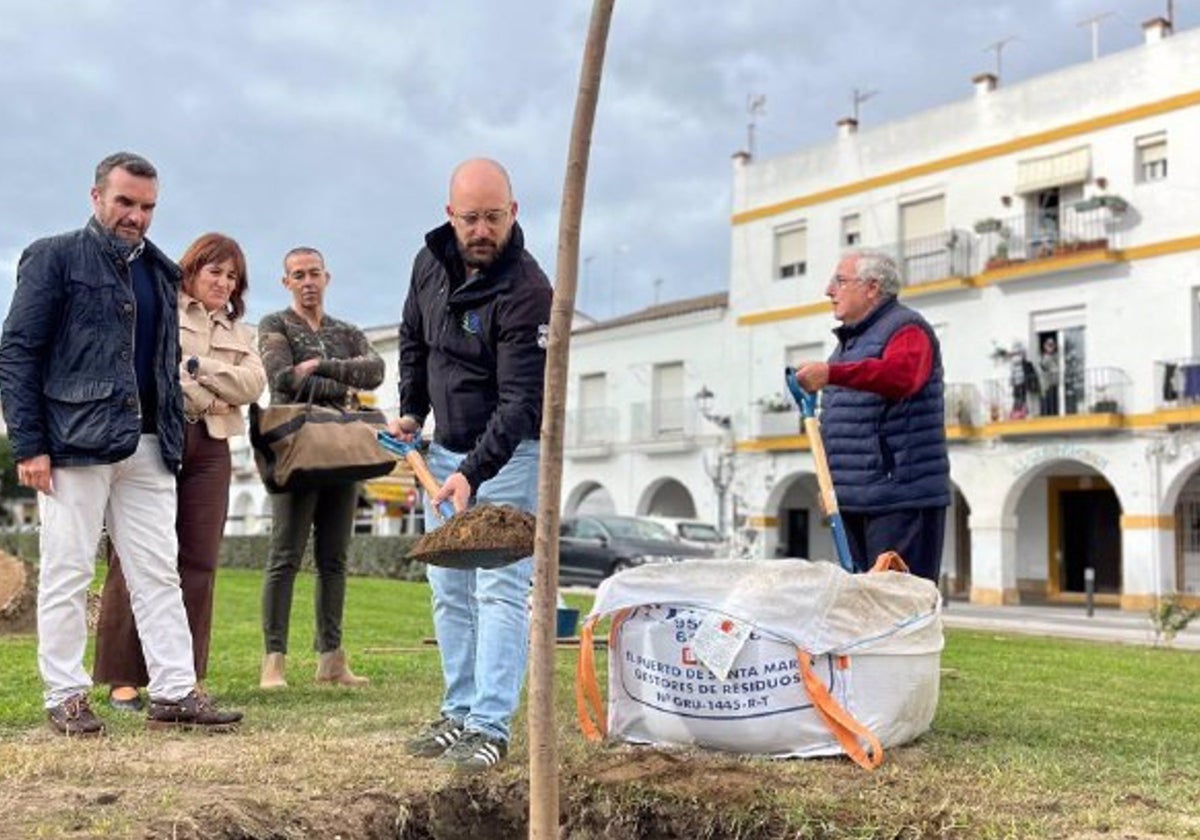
{"points": [[203, 495]]}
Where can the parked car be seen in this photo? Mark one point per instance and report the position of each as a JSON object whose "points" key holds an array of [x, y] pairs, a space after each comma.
{"points": [[693, 532], [590, 548]]}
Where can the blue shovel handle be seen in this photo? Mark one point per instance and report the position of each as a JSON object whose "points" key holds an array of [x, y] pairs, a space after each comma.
{"points": [[410, 452], [806, 401]]}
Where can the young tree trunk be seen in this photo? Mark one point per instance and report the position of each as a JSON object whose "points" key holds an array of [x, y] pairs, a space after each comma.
{"points": [[543, 753], [18, 595]]}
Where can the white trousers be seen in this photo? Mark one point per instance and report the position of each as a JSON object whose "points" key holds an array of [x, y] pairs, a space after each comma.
{"points": [[135, 498]]}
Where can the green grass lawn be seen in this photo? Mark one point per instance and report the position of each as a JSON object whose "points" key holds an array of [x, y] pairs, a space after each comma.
{"points": [[1037, 738]]}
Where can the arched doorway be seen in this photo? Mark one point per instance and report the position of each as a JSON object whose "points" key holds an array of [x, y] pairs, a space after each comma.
{"points": [[1084, 517], [668, 497], [1187, 537], [960, 544], [588, 499]]}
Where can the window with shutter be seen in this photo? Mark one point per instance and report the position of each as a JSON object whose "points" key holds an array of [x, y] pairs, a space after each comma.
{"points": [[791, 252]]}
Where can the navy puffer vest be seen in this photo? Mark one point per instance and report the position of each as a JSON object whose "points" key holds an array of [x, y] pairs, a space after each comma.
{"points": [[885, 456]]}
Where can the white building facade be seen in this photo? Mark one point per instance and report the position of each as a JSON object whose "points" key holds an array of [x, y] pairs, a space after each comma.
{"points": [[1052, 222]]}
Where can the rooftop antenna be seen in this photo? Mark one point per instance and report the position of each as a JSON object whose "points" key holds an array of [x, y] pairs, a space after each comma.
{"points": [[756, 106], [1094, 23], [1171, 14], [861, 96], [998, 48]]}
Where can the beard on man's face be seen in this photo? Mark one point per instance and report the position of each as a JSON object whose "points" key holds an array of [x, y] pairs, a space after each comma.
{"points": [[479, 252]]}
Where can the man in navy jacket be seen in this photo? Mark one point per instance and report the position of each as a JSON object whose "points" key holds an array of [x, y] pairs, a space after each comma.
{"points": [[89, 372], [882, 418]]}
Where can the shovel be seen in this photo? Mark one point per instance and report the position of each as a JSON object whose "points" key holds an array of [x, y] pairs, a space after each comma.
{"points": [[807, 403], [490, 519], [410, 452]]}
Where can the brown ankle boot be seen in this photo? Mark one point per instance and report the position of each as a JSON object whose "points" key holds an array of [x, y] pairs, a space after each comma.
{"points": [[272, 671], [333, 668]]}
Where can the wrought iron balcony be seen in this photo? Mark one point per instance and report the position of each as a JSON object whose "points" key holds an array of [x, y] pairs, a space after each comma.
{"points": [[1177, 383], [928, 259], [1079, 392], [964, 406], [1043, 234]]}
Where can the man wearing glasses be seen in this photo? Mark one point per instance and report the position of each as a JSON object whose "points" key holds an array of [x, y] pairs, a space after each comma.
{"points": [[882, 418], [472, 350]]}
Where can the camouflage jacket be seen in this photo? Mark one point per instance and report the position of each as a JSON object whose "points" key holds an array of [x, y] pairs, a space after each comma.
{"points": [[348, 362]]}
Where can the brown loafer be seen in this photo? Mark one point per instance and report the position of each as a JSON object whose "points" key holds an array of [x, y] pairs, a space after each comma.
{"points": [[193, 711], [74, 718]]}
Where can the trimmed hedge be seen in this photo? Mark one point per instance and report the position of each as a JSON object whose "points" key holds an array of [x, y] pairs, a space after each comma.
{"points": [[369, 555]]}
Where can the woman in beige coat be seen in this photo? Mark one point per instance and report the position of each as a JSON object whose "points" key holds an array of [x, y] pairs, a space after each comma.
{"points": [[221, 372]]}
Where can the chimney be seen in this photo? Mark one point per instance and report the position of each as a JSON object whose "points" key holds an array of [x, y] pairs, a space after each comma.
{"points": [[1155, 29], [984, 83], [847, 127]]}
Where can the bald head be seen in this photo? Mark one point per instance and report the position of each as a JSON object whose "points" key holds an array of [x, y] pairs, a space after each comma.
{"points": [[473, 175], [481, 210]]}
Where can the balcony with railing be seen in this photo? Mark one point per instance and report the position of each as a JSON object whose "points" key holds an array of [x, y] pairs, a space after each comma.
{"points": [[964, 410], [590, 432], [1177, 389], [930, 263], [1044, 241], [1088, 399], [667, 425], [772, 420]]}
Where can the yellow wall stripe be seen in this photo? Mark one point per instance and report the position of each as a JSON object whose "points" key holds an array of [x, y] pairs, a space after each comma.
{"points": [[766, 316], [1139, 112], [1064, 424], [1142, 522], [1161, 249], [1036, 267], [762, 521]]}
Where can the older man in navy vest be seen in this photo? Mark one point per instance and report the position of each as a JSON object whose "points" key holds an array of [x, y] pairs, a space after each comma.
{"points": [[882, 417]]}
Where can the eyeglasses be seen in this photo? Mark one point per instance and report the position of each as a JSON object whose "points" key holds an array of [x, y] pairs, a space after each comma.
{"points": [[491, 218], [841, 282]]}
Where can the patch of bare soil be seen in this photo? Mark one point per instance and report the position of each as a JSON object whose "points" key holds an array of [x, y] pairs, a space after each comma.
{"points": [[289, 785], [482, 536], [18, 595]]}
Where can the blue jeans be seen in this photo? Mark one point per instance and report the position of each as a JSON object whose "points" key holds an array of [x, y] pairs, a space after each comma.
{"points": [[481, 616]]}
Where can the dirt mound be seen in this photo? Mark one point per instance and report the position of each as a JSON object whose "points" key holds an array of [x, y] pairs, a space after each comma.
{"points": [[484, 536], [18, 595], [632, 794]]}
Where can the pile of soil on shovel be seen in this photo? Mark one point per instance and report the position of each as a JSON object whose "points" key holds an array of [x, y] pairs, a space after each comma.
{"points": [[482, 536]]}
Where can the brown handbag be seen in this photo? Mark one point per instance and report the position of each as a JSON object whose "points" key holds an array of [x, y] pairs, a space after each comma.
{"points": [[300, 446]]}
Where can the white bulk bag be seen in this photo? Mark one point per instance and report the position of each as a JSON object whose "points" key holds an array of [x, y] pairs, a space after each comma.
{"points": [[833, 663]]}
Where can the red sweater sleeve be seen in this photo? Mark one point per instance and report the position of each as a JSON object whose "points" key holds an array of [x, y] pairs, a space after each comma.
{"points": [[904, 369]]}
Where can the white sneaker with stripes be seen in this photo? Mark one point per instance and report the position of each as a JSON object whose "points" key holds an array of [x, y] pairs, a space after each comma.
{"points": [[475, 752]]}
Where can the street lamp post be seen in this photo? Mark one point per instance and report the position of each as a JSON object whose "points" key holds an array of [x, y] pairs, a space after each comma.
{"points": [[721, 473]]}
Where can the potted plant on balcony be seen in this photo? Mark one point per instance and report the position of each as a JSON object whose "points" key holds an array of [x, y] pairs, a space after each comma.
{"points": [[1104, 404], [999, 257], [777, 416], [1113, 202]]}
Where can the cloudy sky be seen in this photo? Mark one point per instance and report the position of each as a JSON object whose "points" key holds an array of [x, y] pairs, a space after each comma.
{"points": [[336, 123]]}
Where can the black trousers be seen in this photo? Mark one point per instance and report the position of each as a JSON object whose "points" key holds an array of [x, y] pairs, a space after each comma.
{"points": [[915, 534], [327, 513]]}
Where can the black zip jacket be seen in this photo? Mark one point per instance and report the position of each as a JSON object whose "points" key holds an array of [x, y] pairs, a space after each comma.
{"points": [[474, 350]]}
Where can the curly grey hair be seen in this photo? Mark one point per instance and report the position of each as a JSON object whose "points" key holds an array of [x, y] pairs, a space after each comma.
{"points": [[877, 266]]}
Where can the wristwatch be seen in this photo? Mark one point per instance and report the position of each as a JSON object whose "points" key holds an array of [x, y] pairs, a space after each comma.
{"points": [[193, 365]]}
